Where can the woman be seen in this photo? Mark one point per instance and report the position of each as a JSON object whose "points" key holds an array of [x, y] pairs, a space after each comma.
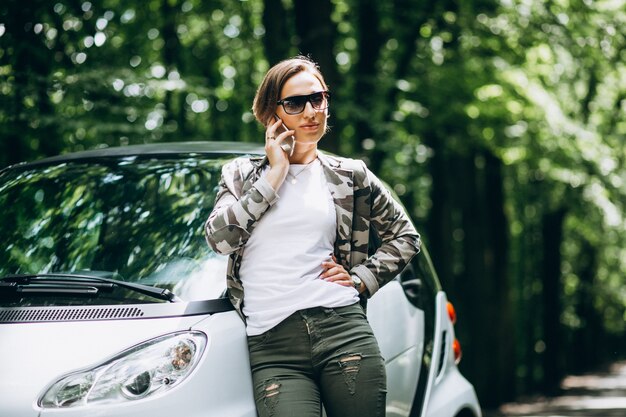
{"points": [[297, 226]]}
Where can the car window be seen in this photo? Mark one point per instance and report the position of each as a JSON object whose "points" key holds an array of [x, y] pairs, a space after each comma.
{"points": [[138, 220], [429, 285]]}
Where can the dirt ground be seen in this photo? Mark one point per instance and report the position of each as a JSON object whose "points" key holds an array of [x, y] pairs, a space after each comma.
{"points": [[591, 395]]}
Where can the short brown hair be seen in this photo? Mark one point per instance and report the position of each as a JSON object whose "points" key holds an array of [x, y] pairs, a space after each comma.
{"points": [[268, 93]]}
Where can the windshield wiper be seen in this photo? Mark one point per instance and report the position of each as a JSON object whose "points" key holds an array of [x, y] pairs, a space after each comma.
{"points": [[78, 284], [58, 289]]}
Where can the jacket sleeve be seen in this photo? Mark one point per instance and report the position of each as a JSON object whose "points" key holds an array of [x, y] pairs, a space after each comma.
{"points": [[234, 216], [400, 240]]}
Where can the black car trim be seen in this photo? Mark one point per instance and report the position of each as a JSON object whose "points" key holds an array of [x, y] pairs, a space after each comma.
{"points": [[15, 315]]}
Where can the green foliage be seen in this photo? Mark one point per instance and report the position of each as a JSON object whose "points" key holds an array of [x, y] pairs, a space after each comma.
{"points": [[119, 74]]}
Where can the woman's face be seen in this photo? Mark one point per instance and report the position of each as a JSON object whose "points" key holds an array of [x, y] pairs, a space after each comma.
{"points": [[310, 125]]}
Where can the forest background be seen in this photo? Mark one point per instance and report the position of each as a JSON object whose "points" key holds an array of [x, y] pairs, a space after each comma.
{"points": [[500, 125]]}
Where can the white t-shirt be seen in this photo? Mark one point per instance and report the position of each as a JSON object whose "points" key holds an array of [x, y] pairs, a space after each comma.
{"points": [[282, 260]]}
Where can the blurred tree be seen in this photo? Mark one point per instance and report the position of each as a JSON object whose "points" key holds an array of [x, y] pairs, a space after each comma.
{"points": [[277, 39], [316, 35], [28, 123]]}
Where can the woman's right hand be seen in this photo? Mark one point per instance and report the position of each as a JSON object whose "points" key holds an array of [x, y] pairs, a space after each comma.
{"points": [[275, 134], [278, 158]]}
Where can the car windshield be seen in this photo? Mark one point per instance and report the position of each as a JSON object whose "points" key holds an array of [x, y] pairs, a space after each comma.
{"points": [[133, 219]]}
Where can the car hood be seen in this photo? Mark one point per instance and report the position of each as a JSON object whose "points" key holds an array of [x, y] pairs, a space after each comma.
{"points": [[33, 355]]}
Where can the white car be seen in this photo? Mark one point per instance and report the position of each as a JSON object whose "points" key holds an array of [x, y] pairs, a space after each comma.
{"points": [[112, 303]]}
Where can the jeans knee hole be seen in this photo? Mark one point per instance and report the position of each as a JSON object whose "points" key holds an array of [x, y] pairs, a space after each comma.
{"points": [[271, 390], [350, 365]]}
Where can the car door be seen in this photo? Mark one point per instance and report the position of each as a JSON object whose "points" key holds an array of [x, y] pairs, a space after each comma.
{"points": [[401, 318]]}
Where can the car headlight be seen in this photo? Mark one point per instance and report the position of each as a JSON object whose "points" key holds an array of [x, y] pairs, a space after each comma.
{"points": [[154, 366]]}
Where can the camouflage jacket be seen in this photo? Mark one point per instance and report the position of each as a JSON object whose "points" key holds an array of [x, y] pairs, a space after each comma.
{"points": [[361, 203]]}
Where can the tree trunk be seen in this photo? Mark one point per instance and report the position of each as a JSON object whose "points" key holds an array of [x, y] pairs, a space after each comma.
{"points": [[497, 256], [482, 282], [552, 235], [276, 41], [366, 85], [439, 225], [175, 108], [474, 284], [317, 33], [31, 131], [587, 339]]}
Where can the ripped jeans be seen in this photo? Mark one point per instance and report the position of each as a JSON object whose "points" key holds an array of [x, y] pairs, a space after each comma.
{"points": [[319, 356]]}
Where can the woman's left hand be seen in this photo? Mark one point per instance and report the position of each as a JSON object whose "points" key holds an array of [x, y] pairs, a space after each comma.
{"points": [[334, 272]]}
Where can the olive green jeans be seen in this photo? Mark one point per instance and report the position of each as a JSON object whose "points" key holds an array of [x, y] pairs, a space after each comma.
{"points": [[319, 356]]}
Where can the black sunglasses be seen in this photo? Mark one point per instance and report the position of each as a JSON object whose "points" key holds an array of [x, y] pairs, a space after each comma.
{"points": [[296, 104]]}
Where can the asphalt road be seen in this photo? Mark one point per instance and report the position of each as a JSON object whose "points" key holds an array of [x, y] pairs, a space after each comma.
{"points": [[591, 395]]}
